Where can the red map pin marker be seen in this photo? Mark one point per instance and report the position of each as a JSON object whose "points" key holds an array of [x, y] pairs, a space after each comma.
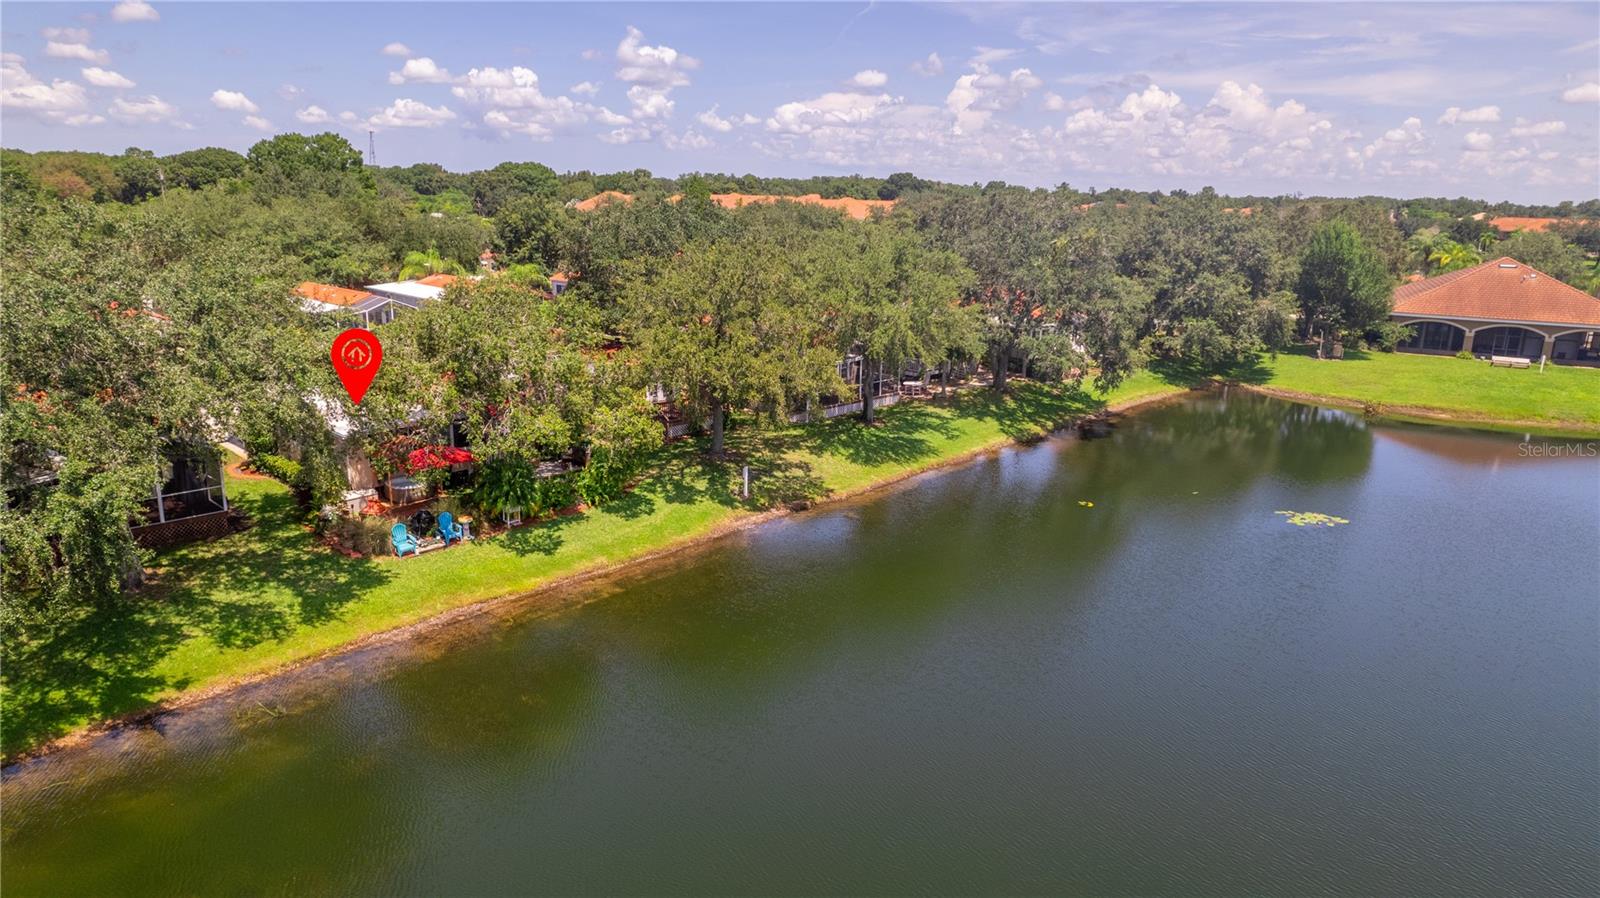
{"points": [[356, 357]]}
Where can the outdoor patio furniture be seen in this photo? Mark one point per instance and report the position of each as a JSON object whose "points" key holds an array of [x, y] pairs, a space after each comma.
{"points": [[403, 541], [1507, 361], [448, 528]]}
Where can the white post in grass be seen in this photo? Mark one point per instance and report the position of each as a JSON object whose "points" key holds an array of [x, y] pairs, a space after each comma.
{"points": [[746, 481]]}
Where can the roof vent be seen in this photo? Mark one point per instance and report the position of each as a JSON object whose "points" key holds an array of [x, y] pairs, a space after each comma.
{"points": [[1508, 265]]}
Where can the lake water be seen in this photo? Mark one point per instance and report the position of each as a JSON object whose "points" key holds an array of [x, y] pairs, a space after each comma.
{"points": [[968, 684]]}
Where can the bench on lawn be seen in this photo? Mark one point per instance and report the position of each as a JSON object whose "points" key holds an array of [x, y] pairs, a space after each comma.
{"points": [[1507, 361]]}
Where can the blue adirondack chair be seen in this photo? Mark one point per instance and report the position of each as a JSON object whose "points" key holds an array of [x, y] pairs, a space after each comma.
{"points": [[448, 528], [403, 541]]}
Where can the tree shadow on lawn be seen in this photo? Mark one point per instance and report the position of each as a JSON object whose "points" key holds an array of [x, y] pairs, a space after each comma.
{"points": [[900, 437], [251, 569], [1191, 374], [238, 591], [93, 666], [540, 537], [1031, 410], [629, 506], [777, 480]]}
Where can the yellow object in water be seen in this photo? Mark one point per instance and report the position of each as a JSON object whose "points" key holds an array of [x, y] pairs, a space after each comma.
{"points": [[1312, 518], [1085, 503]]}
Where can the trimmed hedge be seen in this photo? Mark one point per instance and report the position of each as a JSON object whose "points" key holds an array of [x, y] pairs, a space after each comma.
{"points": [[277, 467]]}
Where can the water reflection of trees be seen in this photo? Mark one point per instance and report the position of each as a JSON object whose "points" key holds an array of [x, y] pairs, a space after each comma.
{"points": [[1228, 443], [723, 632], [745, 616]]}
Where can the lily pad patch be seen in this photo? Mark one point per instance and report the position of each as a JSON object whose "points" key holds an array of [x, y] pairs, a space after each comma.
{"points": [[1312, 519]]}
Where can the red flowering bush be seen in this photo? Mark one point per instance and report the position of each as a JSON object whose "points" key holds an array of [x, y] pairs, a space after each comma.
{"points": [[430, 458]]}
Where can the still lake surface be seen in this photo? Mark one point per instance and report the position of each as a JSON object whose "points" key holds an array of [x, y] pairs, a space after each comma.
{"points": [[969, 684]]}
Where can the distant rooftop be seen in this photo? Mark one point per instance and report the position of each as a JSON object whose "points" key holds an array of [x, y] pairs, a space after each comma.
{"points": [[410, 292], [857, 209], [1507, 224], [330, 294]]}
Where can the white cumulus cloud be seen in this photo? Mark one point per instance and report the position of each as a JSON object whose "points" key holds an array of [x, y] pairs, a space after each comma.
{"points": [[258, 123], [1479, 115], [1587, 92], [1525, 128], [869, 78], [60, 50], [233, 101], [650, 102], [715, 122], [150, 110], [978, 95], [1408, 139], [831, 110], [395, 48], [313, 115], [59, 101], [421, 70], [585, 88], [104, 78], [661, 66], [408, 113], [134, 11], [67, 35], [929, 67]]}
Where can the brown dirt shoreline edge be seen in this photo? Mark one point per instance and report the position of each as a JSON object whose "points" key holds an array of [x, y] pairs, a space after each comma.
{"points": [[215, 692], [1426, 414]]}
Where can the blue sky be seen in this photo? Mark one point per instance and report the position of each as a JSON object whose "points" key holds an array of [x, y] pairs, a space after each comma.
{"points": [[1494, 100]]}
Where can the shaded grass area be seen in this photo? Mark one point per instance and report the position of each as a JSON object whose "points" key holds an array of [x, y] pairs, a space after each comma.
{"points": [[1565, 396], [270, 595]]}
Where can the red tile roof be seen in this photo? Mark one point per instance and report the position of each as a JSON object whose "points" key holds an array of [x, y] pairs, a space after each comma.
{"points": [[437, 280], [1502, 290], [857, 209], [328, 293], [1509, 223], [600, 199]]}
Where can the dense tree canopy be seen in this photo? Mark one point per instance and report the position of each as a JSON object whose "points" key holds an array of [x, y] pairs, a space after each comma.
{"points": [[1343, 285], [883, 293], [729, 324], [147, 299], [123, 334]]}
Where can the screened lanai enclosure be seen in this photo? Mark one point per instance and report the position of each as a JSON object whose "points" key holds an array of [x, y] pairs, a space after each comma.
{"points": [[190, 501]]}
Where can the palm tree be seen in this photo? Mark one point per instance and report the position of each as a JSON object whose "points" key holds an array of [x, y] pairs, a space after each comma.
{"points": [[419, 264], [1419, 246], [1448, 255]]}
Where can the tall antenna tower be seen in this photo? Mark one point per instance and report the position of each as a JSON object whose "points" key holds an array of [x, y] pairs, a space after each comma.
{"points": [[372, 149]]}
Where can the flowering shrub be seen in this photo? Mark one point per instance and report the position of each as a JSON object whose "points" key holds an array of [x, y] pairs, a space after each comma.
{"points": [[429, 458]]}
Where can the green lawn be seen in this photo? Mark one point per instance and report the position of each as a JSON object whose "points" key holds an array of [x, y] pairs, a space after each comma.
{"points": [[1567, 397], [269, 596]]}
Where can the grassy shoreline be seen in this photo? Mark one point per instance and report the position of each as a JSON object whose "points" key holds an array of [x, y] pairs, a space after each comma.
{"points": [[1561, 400], [254, 605], [222, 614]]}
